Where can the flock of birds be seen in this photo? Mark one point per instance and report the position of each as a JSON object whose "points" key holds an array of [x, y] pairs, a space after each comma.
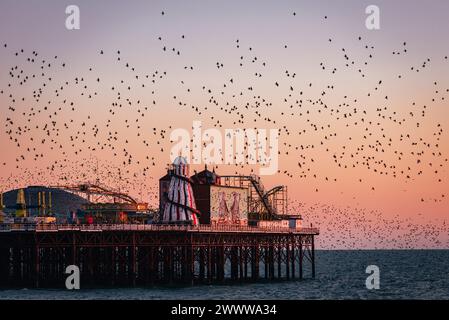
{"points": [[49, 118], [374, 229]]}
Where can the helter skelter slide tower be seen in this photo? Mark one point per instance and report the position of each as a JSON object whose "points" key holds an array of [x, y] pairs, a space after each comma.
{"points": [[180, 205]]}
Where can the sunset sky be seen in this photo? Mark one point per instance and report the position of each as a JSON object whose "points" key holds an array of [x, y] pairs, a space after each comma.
{"points": [[362, 114]]}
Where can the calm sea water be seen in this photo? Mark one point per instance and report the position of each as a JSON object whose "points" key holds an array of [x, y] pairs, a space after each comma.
{"points": [[411, 274]]}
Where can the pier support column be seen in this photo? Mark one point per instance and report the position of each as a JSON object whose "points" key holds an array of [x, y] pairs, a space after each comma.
{"points": [[168, 264], [73, 249], [246, 261], [113, 265], [255, 262], [240, 262], [301, 256], [313, 257], [16, 265], [133, 261], [271, 261], [191, 263], [279, 254], [293, 259], [120, 265], [202, 262], [158, 263], [221, 263], [188, 264], [37, 266], [234, 263], [151, 265], [265, 262], [4, 265], [209, 264], [143, 265], [90, 265]]}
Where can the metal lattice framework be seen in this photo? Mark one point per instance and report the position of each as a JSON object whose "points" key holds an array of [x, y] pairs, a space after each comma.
{"points": [[96, 193], [262, 205], [144, 258]]}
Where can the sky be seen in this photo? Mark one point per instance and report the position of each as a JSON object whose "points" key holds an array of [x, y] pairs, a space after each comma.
{"points": [[362, 114]]}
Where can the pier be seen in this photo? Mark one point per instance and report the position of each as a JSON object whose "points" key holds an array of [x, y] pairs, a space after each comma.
{"points": [[37, 255]]}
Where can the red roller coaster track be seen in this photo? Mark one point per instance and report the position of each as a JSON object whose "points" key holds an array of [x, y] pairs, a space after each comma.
{"points": [[92, 190]]}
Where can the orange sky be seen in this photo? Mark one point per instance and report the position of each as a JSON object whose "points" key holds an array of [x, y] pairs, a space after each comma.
{"points": [[354, 115]]}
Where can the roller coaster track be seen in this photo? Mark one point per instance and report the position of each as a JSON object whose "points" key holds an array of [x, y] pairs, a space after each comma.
{"points": [[273, 191], [93, 189], [264, 196]]}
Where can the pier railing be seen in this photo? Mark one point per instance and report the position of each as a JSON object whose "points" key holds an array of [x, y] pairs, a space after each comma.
{"points": [[151, 227]]}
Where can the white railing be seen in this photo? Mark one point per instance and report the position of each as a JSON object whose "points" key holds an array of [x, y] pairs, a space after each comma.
{"points": [[151, 227]]}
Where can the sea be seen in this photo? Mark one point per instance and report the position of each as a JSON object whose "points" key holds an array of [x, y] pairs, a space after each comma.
{"points": [[403, 274]]}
